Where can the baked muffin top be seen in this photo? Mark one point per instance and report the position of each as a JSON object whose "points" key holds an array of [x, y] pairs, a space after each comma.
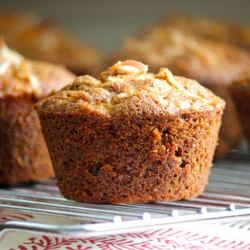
{"points": [[21, 77], [128, 88], [207, 61]]}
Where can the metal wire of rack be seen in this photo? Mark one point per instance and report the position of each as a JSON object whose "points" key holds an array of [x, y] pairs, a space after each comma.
{"points": [[227, 195]]}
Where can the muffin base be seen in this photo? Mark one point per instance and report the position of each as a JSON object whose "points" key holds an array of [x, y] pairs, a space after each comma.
{"points": [[128, 159], [23, 153]]}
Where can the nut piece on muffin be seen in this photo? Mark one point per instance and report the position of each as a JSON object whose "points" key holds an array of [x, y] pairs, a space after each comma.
{"points": [[131, 136], [44, 40], [23, 153], [240, 91], [213, 64]]}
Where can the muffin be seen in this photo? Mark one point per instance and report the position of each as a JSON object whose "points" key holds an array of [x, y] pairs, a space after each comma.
{"points": [[44, 40], [240, 91], [213, 64], [131, 136], [237, 34], [23, 153]]}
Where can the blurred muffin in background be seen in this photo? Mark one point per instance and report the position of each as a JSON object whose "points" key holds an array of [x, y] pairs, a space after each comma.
{"points": [[24, 156], [240, 91], [44, 40], [237, 34], [214, 64]]}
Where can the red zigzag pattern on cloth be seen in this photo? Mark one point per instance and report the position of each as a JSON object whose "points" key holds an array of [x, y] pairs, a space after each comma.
{"points": [[167, 239]]}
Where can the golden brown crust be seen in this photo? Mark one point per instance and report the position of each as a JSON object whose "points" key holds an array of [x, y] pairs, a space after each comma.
{"points": [[116, 88], [122, 161], [137, 149], [23, 153]]}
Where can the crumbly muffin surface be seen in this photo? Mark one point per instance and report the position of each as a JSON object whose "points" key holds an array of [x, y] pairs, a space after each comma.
{"points": [[126, 83]]}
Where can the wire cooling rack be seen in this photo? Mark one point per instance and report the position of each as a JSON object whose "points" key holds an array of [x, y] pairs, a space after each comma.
{"points": [[227, 195]]}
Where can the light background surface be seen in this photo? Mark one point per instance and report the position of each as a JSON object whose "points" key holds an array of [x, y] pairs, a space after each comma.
{"points": [[104, 23]]}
